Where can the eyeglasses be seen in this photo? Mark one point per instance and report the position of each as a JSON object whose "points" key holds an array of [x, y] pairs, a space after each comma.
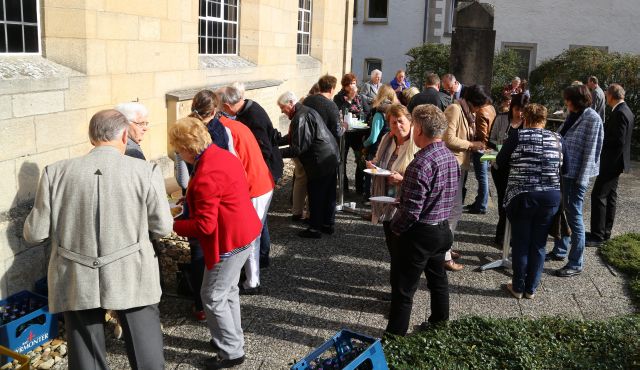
{"points": [[141, 124]]}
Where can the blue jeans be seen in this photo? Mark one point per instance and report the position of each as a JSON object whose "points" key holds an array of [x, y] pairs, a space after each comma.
{"points": [[530, 215], [573, 194], [480, 169]]}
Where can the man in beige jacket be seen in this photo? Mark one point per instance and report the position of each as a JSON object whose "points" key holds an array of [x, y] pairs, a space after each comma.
{"points": [[99, 212]]}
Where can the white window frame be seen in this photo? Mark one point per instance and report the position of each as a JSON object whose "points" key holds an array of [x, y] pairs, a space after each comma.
{"points": [[219, 20], [533, 49], [37, 24], [302, 32], [375, 20]]}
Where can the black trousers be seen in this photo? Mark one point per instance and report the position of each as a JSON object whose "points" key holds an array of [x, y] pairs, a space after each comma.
{"points": [[353, 140], [140, 330], [500, 179], [392, 247], [604, 197], [420, 250], [321, 192]]}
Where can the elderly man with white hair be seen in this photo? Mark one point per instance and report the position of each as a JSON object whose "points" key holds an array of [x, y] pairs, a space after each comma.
{"points": [[138, 117], [311, 142], [370, 89]]}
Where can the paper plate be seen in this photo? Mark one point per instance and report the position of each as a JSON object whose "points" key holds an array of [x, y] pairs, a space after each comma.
{"points": [[377, 172], [384, 199]]}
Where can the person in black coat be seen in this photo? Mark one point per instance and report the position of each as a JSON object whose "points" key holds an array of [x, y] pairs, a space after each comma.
{"points": [[431, 94], [614, 160], [323, 104]]}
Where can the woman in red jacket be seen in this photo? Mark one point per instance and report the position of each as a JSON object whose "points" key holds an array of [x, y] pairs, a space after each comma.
{"points": [[225, 222]]}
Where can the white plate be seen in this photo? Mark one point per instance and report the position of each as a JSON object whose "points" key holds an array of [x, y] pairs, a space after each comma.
{"points": [[379, 172], [384, 199]]}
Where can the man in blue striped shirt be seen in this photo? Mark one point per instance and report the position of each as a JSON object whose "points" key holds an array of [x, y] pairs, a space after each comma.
{"points": [[427, 195]]}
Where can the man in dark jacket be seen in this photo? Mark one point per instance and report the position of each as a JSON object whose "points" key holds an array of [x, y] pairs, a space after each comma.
{"points": [[615, 159], [324, 105], [312, 143], [252, 115], [431, 94]]}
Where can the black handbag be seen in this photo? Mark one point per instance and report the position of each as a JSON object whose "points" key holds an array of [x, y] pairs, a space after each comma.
{"points": [[559, 225]]}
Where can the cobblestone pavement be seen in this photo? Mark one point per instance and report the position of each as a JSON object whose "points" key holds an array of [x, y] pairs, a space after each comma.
{"points": [[316, 287]]}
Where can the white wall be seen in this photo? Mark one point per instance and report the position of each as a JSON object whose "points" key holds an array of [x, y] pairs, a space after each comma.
{"points": [[388, 42]]}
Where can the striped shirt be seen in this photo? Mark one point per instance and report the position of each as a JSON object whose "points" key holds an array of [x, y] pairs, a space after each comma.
{"points": [[428, 188], [234, 252], [533, 158]]}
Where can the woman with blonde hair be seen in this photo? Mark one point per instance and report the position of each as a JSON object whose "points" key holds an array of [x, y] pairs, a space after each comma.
{"points": [[407, 94]]}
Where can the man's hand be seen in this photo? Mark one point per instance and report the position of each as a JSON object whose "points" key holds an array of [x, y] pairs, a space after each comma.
{"points": [[476, 146], [395, 178]]}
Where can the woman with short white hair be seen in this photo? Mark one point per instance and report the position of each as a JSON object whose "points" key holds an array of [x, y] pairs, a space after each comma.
{"points": [[370, 89]]}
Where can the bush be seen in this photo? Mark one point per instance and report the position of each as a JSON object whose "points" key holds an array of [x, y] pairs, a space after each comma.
{"points": [[548, 343], [623, 253], [552, 76]]}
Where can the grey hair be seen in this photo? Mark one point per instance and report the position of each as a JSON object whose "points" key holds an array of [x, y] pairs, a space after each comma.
{"points": [[287, 97], [132, 109], [431, 120], [516, 79], [107, 125], [231, 94], [376, 72]]}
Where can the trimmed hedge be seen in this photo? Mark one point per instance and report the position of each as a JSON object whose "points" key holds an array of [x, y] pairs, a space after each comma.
{"points": [[548, 343], [623, 253]]}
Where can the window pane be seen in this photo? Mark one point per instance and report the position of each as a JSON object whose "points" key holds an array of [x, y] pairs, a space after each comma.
{"points": [[29, 10], [217, 9], [230, 13], [13, 10], [203, 8], [355, 8], [307, 27], [373, 64], [210, 27], [300, 3], [202, 45], [14, 33], [218, 27], [31, 39], [3, 40], [232, 2], [1, 11], [378, 8], [202, 28]]}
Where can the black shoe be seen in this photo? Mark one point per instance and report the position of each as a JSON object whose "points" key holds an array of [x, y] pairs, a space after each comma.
{"points": [[264, 263], [251, 291], [213, 346], [469, 206], [385, 297], [592, 241], [296, 218], [475, 211], [328, 229], [553, 257], [310, 234], [568, 272], [215, 363]]}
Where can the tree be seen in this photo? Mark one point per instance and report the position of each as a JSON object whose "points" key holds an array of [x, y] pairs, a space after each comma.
{"points": [[427, 58]]}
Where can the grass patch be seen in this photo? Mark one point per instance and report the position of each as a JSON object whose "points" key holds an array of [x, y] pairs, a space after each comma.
{"points": [[548, 343], [623, 253]]}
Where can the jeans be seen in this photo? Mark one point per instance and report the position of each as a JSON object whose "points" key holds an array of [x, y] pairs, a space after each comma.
{"points": [[322, 200], [530, 215], [480, 169], [421, 250], [573, 197], [197, 271]]}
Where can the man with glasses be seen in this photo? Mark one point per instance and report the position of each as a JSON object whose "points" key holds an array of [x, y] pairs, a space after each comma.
{"points": [[137, 115]]}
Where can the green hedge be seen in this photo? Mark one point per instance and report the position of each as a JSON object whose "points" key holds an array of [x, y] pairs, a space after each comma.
{"points": [[623, 252], [548, 343]]}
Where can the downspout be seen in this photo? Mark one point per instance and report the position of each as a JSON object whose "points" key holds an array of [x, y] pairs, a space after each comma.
{"points": [[426, 21], [346, 33]]}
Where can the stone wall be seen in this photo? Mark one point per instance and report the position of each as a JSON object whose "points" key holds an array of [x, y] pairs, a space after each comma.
{"points": [[97, 53]]}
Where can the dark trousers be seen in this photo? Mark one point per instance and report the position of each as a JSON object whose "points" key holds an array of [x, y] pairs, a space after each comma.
{"points": [[392, 245], [530, 215], [353, 140], [197, 271], [265, 239], [140, 330], [321, 192], [604, 197], [500, 179], [420, 250]]}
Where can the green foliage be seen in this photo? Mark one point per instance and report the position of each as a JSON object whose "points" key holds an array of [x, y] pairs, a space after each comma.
{"points": [[552, 76], [623, 252], [427, 58], [506, 65], [516, 343]]}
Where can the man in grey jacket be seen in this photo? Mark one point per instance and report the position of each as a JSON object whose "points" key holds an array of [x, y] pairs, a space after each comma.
{"points": [[597, 96], [99, 212]]}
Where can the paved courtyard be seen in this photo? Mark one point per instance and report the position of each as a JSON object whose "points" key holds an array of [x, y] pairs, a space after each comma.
{"points": [[316, 287]]}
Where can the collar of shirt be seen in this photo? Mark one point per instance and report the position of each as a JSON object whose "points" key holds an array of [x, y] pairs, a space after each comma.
{"points": [[616, 106]]}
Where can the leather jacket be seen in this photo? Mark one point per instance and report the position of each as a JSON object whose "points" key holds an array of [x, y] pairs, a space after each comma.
{"points": [[312, 143]]}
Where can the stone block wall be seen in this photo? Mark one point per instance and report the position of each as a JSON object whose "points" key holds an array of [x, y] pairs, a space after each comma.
{"points": [[98, 53]]}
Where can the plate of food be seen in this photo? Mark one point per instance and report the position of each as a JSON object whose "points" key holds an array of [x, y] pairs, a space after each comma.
{"points": [[384, 199], [377, 171]]}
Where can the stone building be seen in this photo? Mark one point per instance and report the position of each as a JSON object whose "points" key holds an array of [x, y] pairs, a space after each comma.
{"points": [[63, 60], [385, 30]]}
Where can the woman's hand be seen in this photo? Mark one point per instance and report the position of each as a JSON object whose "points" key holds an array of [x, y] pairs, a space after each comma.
{"points": [[370, 165], [395, 178], [180, 201]]}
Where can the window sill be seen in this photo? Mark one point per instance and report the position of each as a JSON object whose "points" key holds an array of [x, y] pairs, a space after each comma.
{"points": [[380, 21], [224, 62], [31, 73], [188, 94], [307, 61]]}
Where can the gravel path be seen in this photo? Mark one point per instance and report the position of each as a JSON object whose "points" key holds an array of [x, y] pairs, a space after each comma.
{"points": [[314, 288]]}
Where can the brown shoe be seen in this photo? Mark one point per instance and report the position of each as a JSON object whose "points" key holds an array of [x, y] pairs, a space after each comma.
{"points": [[452, 266], [455, 255]]}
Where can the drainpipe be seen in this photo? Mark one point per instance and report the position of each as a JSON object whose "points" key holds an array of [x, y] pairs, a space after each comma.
{"points": [[346, 32], [426, 21]]}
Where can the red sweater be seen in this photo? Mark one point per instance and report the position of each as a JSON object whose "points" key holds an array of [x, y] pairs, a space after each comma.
{"points": [[221, 215], [249, 153]]}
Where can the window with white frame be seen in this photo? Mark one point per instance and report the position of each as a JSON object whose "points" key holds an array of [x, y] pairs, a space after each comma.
{"points": [[371, 64], [304, 26], [377, 10], [218, 27], [526, 53], [19, 27]]}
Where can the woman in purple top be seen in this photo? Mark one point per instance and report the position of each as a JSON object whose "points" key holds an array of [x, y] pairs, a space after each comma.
{"points": [[400, 82]]}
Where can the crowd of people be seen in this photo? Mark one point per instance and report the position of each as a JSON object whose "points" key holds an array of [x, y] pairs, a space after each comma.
{"points": [[228, 158]]}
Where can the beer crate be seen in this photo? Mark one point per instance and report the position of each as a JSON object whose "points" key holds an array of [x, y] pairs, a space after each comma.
{"points": [[25, 322]]}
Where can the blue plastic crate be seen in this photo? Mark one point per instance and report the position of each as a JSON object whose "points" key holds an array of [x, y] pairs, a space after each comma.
{"points": [[372, 358], [33, 328]]}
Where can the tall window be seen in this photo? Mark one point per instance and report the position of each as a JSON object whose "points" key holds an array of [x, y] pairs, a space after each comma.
{"points": [[218, 27], [527, 55], [304, 26], [377, 10], [19, 26]]}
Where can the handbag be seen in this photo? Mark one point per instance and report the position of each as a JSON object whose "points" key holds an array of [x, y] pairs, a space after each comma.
{"points": [[559, 225]]}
